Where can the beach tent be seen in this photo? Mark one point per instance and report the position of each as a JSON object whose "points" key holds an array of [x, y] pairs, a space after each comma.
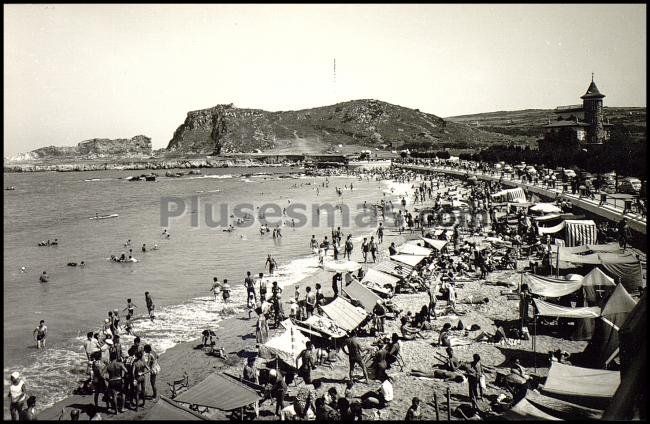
{"points": [[551, 310], [344, 314], [168, 410], [595, 280], [409, 249], [515, 195], [396, 269], [436, 244], [579, 231], [604, 344], [593, 388], [546, 208], [576, 231], [341, 266], [631, 397], [286, 346], [365, 296], [221, 392], [411, 260], [625, 267]]}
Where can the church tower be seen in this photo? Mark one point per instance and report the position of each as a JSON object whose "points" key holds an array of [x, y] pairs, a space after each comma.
{"points": [[592, 104]]}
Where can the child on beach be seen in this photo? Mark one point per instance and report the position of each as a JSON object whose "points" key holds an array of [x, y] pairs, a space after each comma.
{"points": [[225, 290]]}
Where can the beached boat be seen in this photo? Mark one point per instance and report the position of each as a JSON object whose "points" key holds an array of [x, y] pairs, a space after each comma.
{"points": [[114, 215]]}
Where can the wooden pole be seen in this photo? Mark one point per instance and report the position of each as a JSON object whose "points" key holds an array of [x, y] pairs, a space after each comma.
{"points": [[448, 404], [557, 263], [435, 401], [535, 342]]}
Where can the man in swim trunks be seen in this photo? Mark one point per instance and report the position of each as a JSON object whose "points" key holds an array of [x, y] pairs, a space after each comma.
{"points": [[225, 290], [150, 306], [262, 287], [40, 334], [250, 286], [129, 307]]}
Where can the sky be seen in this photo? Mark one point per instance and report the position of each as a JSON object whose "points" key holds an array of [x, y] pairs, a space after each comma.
{"points": [[76, 72]]}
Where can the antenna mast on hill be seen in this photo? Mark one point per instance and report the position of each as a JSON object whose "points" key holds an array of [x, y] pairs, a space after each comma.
{"points": [[334, 80]]}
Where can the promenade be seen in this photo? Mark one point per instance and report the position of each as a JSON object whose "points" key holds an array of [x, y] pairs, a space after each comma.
{"points": [[612, 209]]}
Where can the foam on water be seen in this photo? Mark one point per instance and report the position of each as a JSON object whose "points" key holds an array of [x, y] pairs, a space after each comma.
{"points": [[216, 177]]}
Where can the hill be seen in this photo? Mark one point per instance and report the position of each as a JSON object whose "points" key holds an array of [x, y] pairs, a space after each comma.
{"points": [[96, 148], [529, 122], [363, 123]]}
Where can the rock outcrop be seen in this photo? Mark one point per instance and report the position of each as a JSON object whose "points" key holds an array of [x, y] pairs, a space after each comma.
{"points": [[96, 148], [226, 129]]}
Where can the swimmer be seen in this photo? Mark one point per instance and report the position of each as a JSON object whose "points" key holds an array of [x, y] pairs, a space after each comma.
{"points": [[44, 277], [82, 264], [144, 247], [55, 242], [164, 232], [150, 306], [23, 269], [131, 259], [155, 246], [128, 243]]}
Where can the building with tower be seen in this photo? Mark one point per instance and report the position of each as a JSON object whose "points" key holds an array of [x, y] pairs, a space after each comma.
{"points": [[578, 125]]}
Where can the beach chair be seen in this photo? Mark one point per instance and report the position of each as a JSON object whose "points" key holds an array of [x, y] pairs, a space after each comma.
{"points": [[179, 386]]}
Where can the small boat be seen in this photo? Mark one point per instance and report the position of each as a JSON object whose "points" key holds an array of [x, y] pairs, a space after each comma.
{"points": [[10, 188], [136, 178], [150, 178], [104, 216]]}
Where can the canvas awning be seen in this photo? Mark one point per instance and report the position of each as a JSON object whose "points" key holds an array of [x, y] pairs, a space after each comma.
{"points": [[344, 314], [381, 279], [365, 296], [394, 268], [525, 411], [341, 266], [286, 346], [546, 208], [411, 260], [551, 230], [436, 244], [409, 249], [168, 410], [562, 409], [550, 287], [584, 386], [550, 310], [323, 325], [220, 392]]}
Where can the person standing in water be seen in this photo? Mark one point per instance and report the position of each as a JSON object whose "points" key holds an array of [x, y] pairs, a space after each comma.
{"points": [[150, 306], [40, 334], [271, 264], [250, 286], [225, 290], [44, 277], [215, 288]]}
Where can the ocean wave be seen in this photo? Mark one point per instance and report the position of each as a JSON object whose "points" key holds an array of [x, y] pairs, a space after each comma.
{"points": [[216, 177]]}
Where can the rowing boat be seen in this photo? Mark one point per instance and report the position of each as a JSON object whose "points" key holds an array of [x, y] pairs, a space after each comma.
{"points": [[104, 216]]}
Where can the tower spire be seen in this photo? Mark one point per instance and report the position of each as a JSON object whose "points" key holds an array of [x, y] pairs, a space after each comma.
{"points": [[592, 77]]}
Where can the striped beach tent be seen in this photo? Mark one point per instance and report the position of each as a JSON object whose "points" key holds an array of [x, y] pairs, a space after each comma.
{"points": [[577, 232]]}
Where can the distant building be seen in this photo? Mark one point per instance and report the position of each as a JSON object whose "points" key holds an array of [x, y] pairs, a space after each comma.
{"points": [[578, 125]]}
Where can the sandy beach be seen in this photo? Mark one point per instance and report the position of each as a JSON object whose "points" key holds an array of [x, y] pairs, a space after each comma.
{"points": [[237, 336]]}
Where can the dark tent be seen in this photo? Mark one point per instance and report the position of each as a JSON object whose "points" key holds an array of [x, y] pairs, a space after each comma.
{"points": [[604, 344], [630, 399]]}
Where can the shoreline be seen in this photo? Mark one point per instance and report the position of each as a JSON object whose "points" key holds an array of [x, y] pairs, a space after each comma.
{"points": [[235, 333], [300, 270]]}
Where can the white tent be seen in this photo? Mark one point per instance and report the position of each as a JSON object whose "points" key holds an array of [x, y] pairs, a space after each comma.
{"points": [[410, 249], [411, 260], [546, 208], [286, 346]]}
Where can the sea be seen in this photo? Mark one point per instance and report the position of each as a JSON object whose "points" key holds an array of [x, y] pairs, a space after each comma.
{"points": [[58, 205]]}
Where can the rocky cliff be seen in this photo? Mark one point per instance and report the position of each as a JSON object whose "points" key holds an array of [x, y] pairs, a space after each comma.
{"points": [[226, 129], [96, 148]]}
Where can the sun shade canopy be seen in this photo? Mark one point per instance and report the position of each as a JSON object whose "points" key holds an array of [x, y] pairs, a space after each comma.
{"points": [[220, 392], [411, 260], [550, 310], [344, 314], [365, 296]]}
